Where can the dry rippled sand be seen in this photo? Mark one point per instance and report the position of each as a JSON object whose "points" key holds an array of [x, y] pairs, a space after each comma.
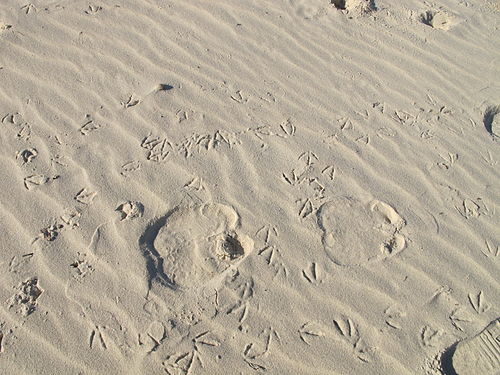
{"points": [[249, 187]]}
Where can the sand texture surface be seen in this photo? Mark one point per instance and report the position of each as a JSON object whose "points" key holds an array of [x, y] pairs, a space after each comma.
{"points": [[250, 187]]}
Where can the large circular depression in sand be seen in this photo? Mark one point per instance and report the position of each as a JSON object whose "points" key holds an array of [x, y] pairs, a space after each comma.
{"points": [[199, 243], [356, 233]]}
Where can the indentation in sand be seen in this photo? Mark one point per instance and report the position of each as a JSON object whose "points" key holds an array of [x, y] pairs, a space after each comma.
{"points": [[351, 5], [491, 120], [130, 210], [25, 300], [356, 233], [479, 354], [201, 242], [440, 20]]}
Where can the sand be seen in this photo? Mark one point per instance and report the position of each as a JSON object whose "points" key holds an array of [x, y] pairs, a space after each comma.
{"points": [[246, 187]]}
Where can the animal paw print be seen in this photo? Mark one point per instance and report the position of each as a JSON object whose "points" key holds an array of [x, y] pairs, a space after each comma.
{"points": [[183, 363], [31, 182], [459, 316], [349, 332], [158, 148], [130, 210], [262, 345], [89, 125], [393, 317], [272, 255], [25, 300], [130, 167], [478, 302], [491, 251], [130, 102], [85, 196], [28, 8], [306, 207], [153, 338], [96, 339], [288, 129], [431, 337], [309, 331], [312, 274], [82, 267], [245, 292], [93, 9], [266, 233], [308, 157], [195, 184]]}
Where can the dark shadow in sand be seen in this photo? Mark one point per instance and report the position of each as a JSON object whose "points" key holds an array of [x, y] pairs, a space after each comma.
{"points": [[489, 115], [154, 261], [446, 360], [342, 4], [164, 87]]}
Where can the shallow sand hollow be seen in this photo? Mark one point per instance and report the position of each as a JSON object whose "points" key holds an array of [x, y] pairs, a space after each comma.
{"points": [[200, 243], [279, 187]]}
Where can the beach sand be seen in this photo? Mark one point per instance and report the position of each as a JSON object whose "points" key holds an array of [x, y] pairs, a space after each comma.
{"points": [[247, 187]]}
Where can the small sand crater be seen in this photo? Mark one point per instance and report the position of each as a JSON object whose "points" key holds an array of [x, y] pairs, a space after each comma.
{"points": [[229, 247], [27, 155], [491, 120], [352, 5], [438, 19]]}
